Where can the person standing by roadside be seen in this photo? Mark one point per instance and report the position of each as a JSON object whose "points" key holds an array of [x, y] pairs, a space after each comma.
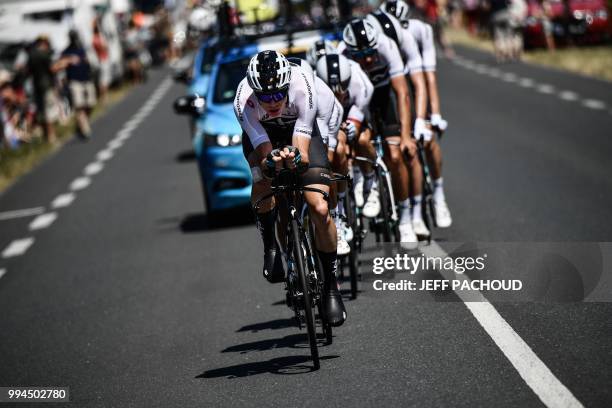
{"points": [[82, 88], [42, 69], [101, 47]]}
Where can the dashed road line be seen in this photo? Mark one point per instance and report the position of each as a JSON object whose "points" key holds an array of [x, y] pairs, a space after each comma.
{"points": [[568, 96], [115, 144], [529, 366], [17, 247], [63, 200], [93, 168], [104, 155], [526, 82], [545, 89], [80, 183], [26, 212], [2, 272], [42, 221], [594, 104]]}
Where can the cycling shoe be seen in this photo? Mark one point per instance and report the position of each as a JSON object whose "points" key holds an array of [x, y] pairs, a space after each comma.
{"points": [[335, 313], [273, 269]]}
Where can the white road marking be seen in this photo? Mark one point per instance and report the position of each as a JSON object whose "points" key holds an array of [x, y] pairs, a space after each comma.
{"points": [[115, 144], [526, 82], [124, 134], [104, 155], [529, 366], [93, 168], [545, 89], [594, 104], [568, 96], [63, 200], [26, 212], [43, 221], [509, 77], [2, 272], [80, 183], [17, 247]]}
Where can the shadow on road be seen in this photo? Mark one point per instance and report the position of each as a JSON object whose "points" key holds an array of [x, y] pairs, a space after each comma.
{"points": [[186, 156], [289, 365], [227, 219], [297, 340], [271, 325]]}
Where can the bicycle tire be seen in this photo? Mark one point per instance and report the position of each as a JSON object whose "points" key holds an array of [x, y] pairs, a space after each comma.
{"points": [[308, 312], [352, 258], [326, 328], [385, 209]]}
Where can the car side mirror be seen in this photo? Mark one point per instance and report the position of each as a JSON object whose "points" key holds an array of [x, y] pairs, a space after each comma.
{"points": [[190, 105]]}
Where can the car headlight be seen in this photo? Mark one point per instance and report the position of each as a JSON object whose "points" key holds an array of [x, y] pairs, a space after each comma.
{"points": [[578, 15], [224, 140], [602, 14]]}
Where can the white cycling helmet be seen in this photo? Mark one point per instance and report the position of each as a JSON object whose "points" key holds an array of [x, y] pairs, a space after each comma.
{"points": [[360, 34], [303, 64], [397, 8], [335, 71], [387, 24], [269, 71], [319, 49]]}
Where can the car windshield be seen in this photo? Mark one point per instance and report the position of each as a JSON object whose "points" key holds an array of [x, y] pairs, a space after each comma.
{"points": [[228, 78]]}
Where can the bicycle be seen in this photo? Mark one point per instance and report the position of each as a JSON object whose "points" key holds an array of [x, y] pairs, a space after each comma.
{"points": [[304, 283]]}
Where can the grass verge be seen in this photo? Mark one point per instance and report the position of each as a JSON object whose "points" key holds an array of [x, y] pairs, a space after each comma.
{"points": [[593, 61], [15, 163]]}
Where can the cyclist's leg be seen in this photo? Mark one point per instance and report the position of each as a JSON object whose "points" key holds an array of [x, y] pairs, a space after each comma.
{"points": [[317, 176], [265, 215], [434, 158]]}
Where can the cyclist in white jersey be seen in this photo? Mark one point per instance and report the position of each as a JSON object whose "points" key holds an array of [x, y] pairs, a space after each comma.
{"points": [[276, 106], [366, 42], [423, 34], [329, 119]]}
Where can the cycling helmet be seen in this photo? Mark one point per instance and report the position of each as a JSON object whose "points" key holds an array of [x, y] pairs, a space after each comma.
{"points": [[397, 8], [319, 49], [303, 64], [269, 71], [335, 71], [387, 25], [360, 34]]}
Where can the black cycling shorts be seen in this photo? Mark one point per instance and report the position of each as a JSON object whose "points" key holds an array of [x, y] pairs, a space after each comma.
{"points": [[383, 103]]}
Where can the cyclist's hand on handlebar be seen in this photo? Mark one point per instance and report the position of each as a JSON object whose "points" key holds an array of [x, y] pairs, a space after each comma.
{"points": [[437, 121], [421, 131], [408, 145], [288, 156], [350, 129]]}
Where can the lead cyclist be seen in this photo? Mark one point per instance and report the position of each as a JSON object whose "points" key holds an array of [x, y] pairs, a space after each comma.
{"points": [[276, 106]]}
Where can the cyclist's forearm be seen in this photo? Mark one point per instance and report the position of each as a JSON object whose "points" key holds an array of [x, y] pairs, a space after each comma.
{"points": [[400, 88], [303, 144], [262, 152], [420, 90], [432, 86]]}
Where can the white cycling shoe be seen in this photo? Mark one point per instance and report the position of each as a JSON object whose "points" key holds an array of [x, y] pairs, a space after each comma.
{"points": [[443, 216], [419, 227], [358, 191], [343, 246], [408, 237], [371, 209]]}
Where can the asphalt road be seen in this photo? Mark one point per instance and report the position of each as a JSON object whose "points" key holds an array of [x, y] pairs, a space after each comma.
{"points": [[131, 296]]}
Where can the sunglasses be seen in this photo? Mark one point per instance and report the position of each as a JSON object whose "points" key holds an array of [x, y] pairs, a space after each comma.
{"points": [[360, 54], [271, 97]]}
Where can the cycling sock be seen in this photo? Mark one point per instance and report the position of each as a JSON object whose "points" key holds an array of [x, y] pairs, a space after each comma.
{"points": [[265, 225], [368, 182], [416, 206], [405, 211], [329, 262], [340, 206], [438, 194]]}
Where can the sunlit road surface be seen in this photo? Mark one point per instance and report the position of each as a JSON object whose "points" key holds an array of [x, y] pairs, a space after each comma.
{"points": [[115, 283]]}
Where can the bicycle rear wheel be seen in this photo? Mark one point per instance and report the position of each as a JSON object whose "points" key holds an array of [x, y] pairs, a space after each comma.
{"points": [[352, 258], [308, 310], [385, 205]]}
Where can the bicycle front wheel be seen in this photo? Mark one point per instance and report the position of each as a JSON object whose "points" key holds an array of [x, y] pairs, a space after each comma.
{"points": [[300, 263]]}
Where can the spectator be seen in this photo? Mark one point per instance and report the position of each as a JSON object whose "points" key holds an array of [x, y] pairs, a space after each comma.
{"points": [[131, 53], [80, 83], [101, 47], [42, 69], [12, 133]]}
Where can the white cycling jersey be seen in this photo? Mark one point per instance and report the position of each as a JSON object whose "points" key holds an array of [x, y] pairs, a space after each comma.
{"points": [[407, 45], [296, 118], [329, 113], [359, 93], [423, 34], [387, 62]]}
